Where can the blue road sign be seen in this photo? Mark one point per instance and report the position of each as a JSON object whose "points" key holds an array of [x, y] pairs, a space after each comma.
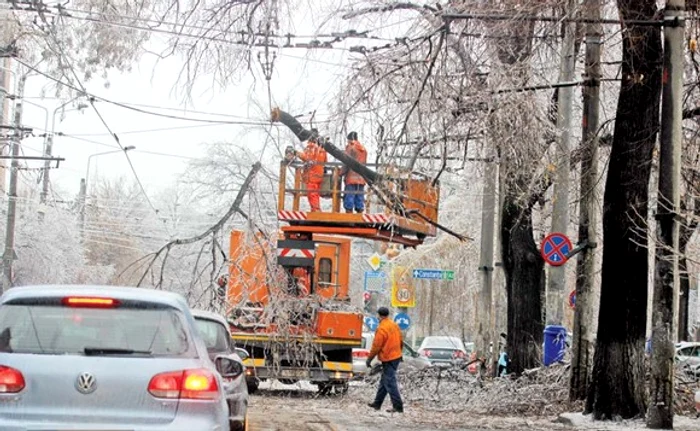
{"points": [[371, 322], [403, 321], [572, 299], [433, 274], [555, 248]]}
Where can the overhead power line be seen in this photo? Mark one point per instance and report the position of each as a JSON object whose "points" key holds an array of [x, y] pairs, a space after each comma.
{"points": [[92, 98], [541, 18]]}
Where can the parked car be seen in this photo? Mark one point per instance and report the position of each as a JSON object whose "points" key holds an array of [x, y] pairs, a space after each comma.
{"points": [[215, 332], [444, 351], [687, 357], [411, 359], [105, 358]]}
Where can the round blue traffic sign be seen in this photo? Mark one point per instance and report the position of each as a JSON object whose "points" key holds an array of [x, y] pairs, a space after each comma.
{"points": [[371, 323], [555, 248], [403, 321]]}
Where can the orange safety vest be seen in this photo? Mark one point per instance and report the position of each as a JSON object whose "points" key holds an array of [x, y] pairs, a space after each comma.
{"points": [[358, 152], [314, 157]]}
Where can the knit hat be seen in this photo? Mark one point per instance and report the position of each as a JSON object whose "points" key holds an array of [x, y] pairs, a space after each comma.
{"points": [[383, 311], [352, 136]]}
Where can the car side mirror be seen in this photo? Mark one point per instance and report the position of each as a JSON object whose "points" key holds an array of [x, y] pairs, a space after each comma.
{"points": [[228, 367], [242, 353]]}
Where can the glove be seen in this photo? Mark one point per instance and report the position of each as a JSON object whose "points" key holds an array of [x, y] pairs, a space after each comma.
{"points": [[369, 363]]}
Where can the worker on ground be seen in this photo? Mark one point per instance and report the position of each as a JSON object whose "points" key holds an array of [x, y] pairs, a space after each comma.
{"points": [[314, 158], [354, 198], [388, 346]]}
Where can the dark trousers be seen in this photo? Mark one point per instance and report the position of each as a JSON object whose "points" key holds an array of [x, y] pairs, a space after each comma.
{"points": [[388, 385], [354, 201]]}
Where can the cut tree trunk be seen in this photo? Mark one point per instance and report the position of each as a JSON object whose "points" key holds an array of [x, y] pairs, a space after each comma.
{"points": [[523, 267], [618, 387]]}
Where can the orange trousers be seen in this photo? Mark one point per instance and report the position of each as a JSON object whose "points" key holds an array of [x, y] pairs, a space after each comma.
{"points": [[312, 194]]}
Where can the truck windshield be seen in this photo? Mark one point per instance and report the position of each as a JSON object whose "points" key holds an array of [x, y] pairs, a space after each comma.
{"points": [[44, 329]]}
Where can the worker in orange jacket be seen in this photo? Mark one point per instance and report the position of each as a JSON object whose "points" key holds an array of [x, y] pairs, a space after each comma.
{"points": [[388, 345], [314, 157], [354, 198]]}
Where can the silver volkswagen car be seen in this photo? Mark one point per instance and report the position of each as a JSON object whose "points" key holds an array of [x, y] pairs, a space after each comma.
{"points": [[104, 358]]}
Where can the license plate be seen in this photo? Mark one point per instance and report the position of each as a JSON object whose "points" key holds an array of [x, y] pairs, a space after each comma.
{"points": [[300, 374]]}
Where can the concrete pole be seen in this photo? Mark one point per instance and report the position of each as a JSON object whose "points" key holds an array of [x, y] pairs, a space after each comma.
{"points": [[9, 255], [488, 207], [560, 213], [82, 202], [47, 168], [583, 332], [666, 277]]}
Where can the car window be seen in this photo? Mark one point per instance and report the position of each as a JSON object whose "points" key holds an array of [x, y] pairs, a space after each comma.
{"points": [[49, 329], [686, 351], [214, 334], [408, 351], [442, 343]]}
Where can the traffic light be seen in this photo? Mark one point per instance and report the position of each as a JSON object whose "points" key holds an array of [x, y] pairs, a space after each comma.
{"points": [[222, 282], [368, 298]]}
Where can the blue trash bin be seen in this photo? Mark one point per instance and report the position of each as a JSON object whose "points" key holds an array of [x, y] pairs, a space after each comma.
{"points": [[554, 344]]}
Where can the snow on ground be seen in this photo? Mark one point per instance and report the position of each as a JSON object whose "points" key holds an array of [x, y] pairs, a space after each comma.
{"points": [[436, 401]]}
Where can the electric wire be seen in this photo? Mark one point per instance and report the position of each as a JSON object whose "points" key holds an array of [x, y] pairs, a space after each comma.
{"points": [[69, 64]]}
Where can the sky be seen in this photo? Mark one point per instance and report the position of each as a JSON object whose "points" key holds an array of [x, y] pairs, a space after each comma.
{"points": [[163, 146]]}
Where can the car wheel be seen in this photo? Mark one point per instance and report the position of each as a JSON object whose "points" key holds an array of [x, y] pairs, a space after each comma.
{"points": [[238, 425]]}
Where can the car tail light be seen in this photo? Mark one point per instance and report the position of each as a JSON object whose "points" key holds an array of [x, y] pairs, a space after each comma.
{"points": [[197, 384], [458, 354], [89, 302], [425, 353], [360, 354], [11, 380]]}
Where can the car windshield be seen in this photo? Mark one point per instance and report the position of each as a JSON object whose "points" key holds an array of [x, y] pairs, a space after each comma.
{"points": [[55, 329], [442, 343], [214, 335]]}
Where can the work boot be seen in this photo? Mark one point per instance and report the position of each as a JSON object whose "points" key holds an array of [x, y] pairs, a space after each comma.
{"points": [[360, 211], [374, 406], [394, 410]]}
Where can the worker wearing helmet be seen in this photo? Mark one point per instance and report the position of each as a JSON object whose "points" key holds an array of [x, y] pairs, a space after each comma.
{"points": [[314, 158], [388, 346], [354, 198]]}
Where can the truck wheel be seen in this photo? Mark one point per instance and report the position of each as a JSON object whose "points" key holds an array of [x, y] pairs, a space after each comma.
{"points": [[325, 388], [342, 388], [252, 387]]}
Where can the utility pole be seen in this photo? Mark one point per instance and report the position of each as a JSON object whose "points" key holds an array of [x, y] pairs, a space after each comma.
{"points": [[560, 212], [9, 254], [583, 332], [47, 167], [81, 202], [666, 277], [488, 205]]}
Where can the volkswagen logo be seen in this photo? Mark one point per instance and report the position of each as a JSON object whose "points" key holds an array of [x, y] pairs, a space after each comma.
{"points": [[86, 383]]}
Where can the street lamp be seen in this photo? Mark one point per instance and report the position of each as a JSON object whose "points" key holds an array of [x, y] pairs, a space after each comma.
{"points": [[48, 146], [87, 171], [84, 181]]}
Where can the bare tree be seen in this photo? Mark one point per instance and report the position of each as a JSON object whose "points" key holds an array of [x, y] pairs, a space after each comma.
{"points": [[617, 387]]}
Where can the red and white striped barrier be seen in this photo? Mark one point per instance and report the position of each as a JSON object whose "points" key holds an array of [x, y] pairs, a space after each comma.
{"points": [[375, 218], [291, 215]]}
